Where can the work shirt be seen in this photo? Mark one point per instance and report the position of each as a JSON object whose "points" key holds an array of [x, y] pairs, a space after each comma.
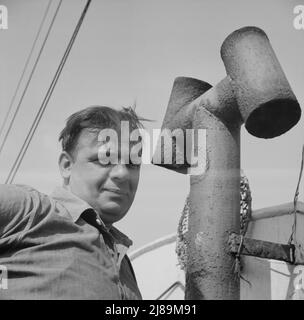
{"points": [[56, 247]]}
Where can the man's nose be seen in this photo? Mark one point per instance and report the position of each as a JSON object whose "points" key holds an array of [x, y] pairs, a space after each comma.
{"points": [[119, 172]]}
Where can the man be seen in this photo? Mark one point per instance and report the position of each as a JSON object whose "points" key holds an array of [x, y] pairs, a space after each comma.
{"points": [[64, 246]]}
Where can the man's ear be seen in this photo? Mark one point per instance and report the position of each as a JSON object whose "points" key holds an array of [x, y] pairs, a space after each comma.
{"points": [[65, 163]]}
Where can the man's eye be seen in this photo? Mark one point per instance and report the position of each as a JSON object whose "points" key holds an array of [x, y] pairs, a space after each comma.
{"points": [[98, 162]]}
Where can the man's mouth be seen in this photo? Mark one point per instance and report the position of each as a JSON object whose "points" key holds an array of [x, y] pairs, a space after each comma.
{"points": [[115, 190]]}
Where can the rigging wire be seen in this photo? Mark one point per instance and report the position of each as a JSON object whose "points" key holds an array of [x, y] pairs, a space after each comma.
{"points": [[43, 106], [25, 67], [172, 288], [293, 238], [30, 78]]}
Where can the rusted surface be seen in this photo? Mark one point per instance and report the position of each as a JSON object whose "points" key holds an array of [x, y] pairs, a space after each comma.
{"points": [[214, 204], [266, 101], [262, 249], [255, 92], [179, 115]]}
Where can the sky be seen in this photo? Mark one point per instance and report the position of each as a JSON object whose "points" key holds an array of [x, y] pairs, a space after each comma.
{"points": [[131, 51]]}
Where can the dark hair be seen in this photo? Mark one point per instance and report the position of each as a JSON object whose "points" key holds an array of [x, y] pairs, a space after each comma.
{"points": [[96, 117]]}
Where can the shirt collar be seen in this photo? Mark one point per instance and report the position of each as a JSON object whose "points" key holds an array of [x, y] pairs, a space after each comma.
{"points": [[77, 206]]}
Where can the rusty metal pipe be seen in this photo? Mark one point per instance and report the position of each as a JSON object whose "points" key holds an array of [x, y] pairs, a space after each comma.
{"points": [[255, 92], [215, 199], [268, 106]]}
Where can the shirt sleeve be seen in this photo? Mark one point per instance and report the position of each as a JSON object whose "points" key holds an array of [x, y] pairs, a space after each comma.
{"points": [[16, 203]]}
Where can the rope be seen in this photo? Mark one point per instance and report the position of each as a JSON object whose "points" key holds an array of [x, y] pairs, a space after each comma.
{"points": [[43, 106], [293, 239], [29, 79], [25, 67]]}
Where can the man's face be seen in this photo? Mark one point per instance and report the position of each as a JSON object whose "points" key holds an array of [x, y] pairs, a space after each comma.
{"points": [[109, 189]]}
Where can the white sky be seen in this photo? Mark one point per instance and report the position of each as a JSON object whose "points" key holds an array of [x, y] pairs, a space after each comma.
{"points": [[131, 50]]}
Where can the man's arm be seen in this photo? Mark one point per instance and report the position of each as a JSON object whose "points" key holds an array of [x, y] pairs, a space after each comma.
{"points": [[15, 204]]}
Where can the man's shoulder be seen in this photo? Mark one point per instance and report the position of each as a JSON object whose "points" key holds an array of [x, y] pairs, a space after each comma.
{"points": [[19, 205], [19, 188], [14, 193]]}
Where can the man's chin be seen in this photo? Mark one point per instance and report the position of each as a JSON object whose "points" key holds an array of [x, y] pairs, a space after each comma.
{"points": [[112, 213]]}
